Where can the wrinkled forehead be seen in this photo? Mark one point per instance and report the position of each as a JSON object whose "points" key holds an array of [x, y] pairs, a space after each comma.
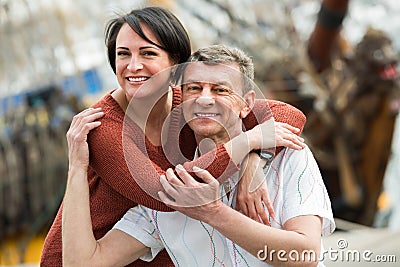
{"points": [[218, 74]]}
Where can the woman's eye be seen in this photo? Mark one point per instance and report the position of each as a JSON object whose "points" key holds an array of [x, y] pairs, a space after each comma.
{"points": [[122, 53], [149, 53]]}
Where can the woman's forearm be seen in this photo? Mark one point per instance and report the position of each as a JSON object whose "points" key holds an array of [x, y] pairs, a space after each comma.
{"points": [[77, 234], [239, 147]]}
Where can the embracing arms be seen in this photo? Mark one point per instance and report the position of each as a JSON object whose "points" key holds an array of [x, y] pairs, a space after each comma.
{"points": [[79, 243], [111, 156], [80, 248]]}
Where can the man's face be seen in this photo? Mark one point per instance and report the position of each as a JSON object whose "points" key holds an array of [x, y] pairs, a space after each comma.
{"points": [[213, 104]]}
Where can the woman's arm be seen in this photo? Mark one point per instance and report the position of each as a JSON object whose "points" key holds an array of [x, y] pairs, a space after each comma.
{"points": [[109, 157], [133, 172], [80, 247], [267, 112], [264, 109]]}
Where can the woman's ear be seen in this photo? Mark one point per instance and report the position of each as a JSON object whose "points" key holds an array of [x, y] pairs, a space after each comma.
{"points": [[249, 98]]}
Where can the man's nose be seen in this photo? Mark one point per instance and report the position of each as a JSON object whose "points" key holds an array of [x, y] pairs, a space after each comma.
{"points": [[205, 98], [135, 64]]}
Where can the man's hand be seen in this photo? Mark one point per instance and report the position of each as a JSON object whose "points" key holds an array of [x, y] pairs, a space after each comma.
{"points": [[190, 197]]}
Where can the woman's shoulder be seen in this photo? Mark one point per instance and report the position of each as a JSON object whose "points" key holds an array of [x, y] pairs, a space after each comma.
{"points": [[106, 101], [110, 107], [111, 122]]}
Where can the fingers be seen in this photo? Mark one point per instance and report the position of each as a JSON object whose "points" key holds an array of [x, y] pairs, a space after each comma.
{"points": [[204, 175], [187, 179], [268, 204], [171, 177], [270, 208], [169, 189], [83, 123], [252, 210], [243, 207], [289, 127], [164, 198], [87, 119], [284, 137], [89, 115], [261, 212], [291, 141]]}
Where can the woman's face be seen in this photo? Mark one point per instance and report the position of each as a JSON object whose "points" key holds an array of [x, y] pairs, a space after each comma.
{"points": [[137, 60]]}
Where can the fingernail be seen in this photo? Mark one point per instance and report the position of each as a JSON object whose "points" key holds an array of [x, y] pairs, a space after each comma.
{"points": [[162, 177], [197, 169], [180, 167]]}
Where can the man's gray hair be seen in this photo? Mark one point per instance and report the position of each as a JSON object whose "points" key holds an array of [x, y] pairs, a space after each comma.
{"points": [[223, 54]]}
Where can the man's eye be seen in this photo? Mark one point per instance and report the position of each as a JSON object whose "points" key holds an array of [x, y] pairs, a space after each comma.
{"points": [[222, 90], [193, 88]]}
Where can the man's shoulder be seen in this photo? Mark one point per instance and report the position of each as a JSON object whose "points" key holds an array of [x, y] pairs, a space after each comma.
{"points": [[287, 155]]}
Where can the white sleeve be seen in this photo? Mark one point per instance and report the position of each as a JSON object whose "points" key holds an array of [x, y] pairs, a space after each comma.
{"points": [[304, 190], [137, 223]]}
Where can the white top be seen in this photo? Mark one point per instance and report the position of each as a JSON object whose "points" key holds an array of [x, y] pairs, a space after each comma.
{"points": [[295, 187]]}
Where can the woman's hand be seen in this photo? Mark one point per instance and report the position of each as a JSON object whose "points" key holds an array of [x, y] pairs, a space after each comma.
{"points": [[252, 194], [81, 125], [271, 134], [287, 135]]}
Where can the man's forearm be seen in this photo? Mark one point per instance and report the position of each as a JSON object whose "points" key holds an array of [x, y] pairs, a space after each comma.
{"points": [[255, 237]]}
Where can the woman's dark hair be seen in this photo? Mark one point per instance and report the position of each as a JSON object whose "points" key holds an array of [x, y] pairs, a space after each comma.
{"points": [[168, 30]]}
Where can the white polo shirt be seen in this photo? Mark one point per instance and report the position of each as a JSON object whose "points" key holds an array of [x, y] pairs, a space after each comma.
{"points": [[295, 188]]}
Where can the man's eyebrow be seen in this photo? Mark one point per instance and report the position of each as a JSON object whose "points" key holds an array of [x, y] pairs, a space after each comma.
{"points": [[223, 83]]}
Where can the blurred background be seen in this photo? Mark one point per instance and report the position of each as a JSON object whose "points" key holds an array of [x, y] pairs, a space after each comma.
{"points": [[53, 64]]}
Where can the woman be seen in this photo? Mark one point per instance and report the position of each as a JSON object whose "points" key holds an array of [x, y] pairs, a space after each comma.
{"points": [[141, 44]]}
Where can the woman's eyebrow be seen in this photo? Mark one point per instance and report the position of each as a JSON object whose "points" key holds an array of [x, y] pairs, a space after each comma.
{"points": [[149, 46], [122, 48]]}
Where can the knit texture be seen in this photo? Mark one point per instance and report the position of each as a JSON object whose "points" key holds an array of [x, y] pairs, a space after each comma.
{"points": [[112, 188]]}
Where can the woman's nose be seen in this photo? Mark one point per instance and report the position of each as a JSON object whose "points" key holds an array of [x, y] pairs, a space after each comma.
{"points": [[135, 64]]}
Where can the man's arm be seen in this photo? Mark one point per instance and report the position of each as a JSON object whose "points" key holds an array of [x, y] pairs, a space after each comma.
{"points": [[80, 248], [298, 234], [201, 201]]}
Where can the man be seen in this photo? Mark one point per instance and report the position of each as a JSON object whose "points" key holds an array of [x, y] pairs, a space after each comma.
{"points": [[215, 99]]}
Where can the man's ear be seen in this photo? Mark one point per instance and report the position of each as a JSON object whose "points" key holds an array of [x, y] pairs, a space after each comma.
{"points": [[249, 98]]}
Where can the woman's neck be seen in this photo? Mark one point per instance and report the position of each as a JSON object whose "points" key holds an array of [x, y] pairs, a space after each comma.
{"points": [[150, 115]]}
